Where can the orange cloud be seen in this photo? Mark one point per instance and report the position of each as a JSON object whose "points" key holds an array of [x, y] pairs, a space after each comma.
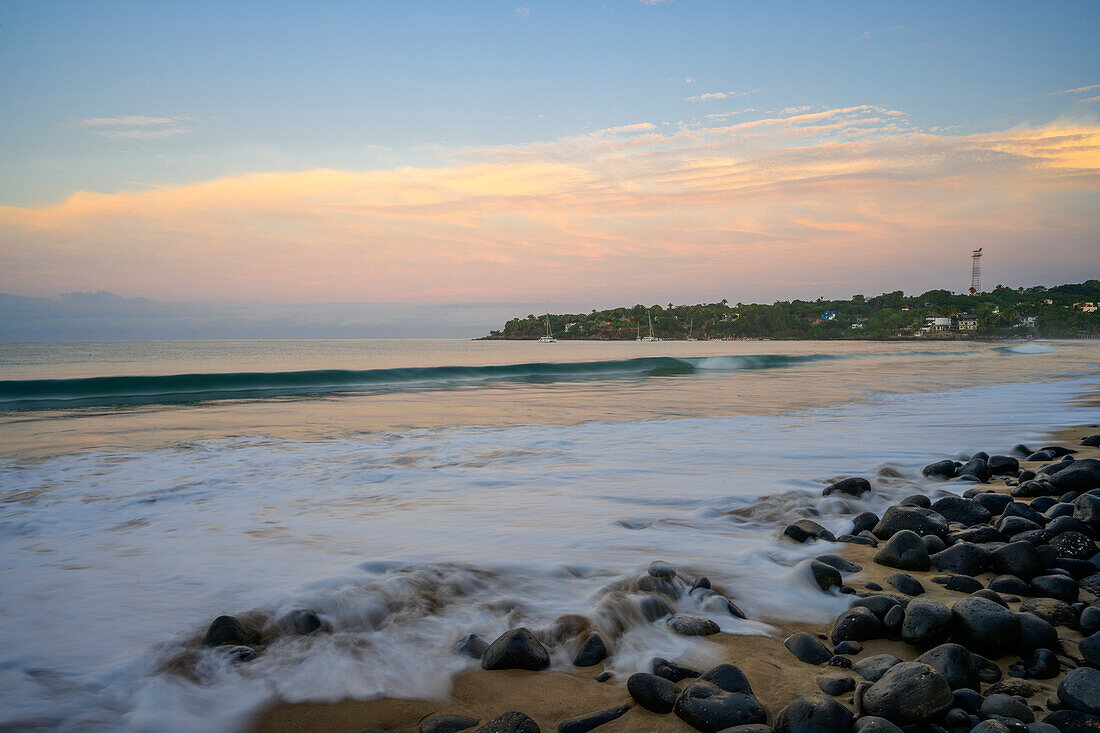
{"points": [[690, 209]]}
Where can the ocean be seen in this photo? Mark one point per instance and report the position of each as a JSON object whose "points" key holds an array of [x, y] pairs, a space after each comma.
{"points": [[411, 492]]}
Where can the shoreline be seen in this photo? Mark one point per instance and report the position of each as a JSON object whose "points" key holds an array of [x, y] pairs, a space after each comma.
{"points": [[777, 677]]}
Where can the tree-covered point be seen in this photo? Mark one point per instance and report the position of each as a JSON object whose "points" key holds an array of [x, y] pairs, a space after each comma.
{"points": [[1001, 313]]}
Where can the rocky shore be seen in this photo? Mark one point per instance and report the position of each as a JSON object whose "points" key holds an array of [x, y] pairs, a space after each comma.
{"points": [[972, 612]]}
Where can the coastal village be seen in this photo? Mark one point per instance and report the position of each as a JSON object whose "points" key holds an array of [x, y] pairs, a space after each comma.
{"points": [[1064, 311]]}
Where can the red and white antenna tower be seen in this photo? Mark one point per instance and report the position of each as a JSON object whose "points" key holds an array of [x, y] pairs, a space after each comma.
{"points": [[976, 272]]}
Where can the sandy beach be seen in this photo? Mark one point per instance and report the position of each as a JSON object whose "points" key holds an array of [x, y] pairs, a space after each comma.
{"points": [[777, 677]]}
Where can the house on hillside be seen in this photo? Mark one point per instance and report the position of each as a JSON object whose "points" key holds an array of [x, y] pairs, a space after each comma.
{"points": [[1087, 306], [828, 316], [966, 322], [935, 324]]}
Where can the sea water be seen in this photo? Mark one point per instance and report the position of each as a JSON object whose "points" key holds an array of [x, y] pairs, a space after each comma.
{"points": [[411, 492]]}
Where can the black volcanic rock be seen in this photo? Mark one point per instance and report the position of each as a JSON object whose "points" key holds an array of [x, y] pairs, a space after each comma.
{"points": [[851, 486], [807, 648], [813, 714], [653, 693], [908, 693], [905, 551], [516, 649], [708, 708], [806, 529], [985, 626]]}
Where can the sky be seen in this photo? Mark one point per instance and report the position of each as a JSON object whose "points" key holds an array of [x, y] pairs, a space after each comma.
{"points": [[580, 154]]}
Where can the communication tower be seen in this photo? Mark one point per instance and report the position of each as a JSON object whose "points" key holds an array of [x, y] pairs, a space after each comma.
{"points": [[976, 272]]}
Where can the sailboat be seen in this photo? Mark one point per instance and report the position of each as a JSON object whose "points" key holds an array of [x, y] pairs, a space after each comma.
{"points": [[650, 336], [549, 337], [691, 324]]}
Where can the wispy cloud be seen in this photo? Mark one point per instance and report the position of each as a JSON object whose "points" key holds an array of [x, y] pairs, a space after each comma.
{"points": [[864, 36], [1078, 90], [713, 96], [523, 12], [137, 127], [719, 208]]}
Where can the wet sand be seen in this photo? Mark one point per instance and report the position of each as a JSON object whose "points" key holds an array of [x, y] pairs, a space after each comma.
{"points": [[550, 698]]}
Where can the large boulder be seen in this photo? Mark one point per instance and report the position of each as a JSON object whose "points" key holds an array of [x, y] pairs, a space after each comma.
{"points": [[707, 707], [985, 626], [926, 623], [962, 558], [905, 551], [873, 667], [1016, 558], [955, 664], [914, 518], [591, 651], [940, 469], [814, 714], [857, 624], [910, 692], [516, 649], [230, 630], [653, 693], [964, 511], [591, 721], [1080, 476], [1001, 465], [1080, 690]]}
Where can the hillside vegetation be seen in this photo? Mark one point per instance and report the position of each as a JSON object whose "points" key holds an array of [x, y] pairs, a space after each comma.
{"points": [[1001, 313]]}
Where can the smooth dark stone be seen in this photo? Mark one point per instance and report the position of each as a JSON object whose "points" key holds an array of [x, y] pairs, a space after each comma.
{"points": [[894, 619], [1016, 558], [585, 723], [1090, 649], [916, 519], [968, 699], [873, 586], [710, 709], [1034, 487], [1081, 476], [1091, 584], [1001, 465], [230, 630], [904, 550], [1091, 440], [1020, 451], [1055, 586], [605, 677], [814, 714], [1010, 584], [1042, 503], [300, 622], [806, 529], [872, 668], [988, 672], [852, 539], [703, 582], [879, 603], [1080, 690], [835, 684], [653, 693], [1011, 525], [693, 625], [976, 467], [940, 469], [1035, 633], [661, 569], [984, 626], [917, 500], [933, 544], [964, 511], [1089, 622], [977, 534], [728, 677], [1061, 509], [927, 622], [807, 648], [875, 724], [851, 486], [993, 501], [1051, 610], [1041, 664], [671, 671], [955, 664], [838, 661], [1021, 509], [447, 723], [962, 558], [516, 649], [991, 595], [472, 646], [906, 584], [864, 521], [848, 647], [826, 576], [842, 564], [510, 722], [1041, 455], [1073, 721], [1069, 523], [908, 693], [591, 651], [1006, 706]]}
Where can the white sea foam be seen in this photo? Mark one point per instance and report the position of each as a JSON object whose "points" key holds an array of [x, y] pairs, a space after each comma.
{"points": [[115, 561]]}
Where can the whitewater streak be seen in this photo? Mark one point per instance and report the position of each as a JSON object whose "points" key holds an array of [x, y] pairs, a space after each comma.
{"points": [[37, 394]]}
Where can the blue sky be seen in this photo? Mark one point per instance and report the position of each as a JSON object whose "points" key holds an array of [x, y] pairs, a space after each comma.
{"points": [[426, 151], [274, 85]]}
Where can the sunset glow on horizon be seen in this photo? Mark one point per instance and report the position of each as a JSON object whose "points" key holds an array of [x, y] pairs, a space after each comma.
{"points": [[749, 201]]}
